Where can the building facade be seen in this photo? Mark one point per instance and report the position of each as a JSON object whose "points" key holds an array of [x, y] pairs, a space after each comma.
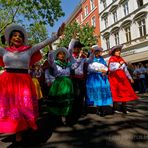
{"points": [[87, 13], [125, 22]]}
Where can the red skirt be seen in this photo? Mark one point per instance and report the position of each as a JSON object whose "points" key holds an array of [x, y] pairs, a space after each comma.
{"points": [[121, 88], [18, 103]]}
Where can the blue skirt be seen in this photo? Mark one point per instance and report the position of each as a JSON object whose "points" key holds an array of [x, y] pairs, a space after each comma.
{"points": [[98, 90]]}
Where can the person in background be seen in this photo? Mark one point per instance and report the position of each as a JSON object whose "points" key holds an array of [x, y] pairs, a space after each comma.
{"points": [[142, 84], [130, 68], [49, 70], [146, 66], [78, 58], [97, 84], [136, 78], [18, 99], [120, 79], [35, 74]]}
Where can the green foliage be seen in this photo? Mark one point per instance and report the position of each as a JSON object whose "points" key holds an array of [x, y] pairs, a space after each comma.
{"points": [[29, 11], [34, 14], [85, 34], [37, 33]]}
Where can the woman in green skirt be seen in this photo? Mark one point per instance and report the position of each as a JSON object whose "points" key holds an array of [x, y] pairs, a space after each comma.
{"points": [[61, 91]]}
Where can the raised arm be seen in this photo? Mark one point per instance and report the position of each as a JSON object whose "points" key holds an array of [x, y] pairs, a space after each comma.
{"points": [[49, 40], [44, 43], [91, 57], [70, 49], [48, 77]]}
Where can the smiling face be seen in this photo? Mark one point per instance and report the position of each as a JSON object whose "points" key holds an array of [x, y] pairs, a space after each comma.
{"points": [[61, 56], [117, 52], [98, 53], [16, 39]]}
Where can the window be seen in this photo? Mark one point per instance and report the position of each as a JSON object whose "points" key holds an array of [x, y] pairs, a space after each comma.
{"points": [[81, 17], [125, 8], [106, 21], [86, 11], [128, 33], [92, 4], [115, 16], [140, 3], [142, 27], [104, 3], [116, 35], [93, 21], [107, 42], [77, 21]]}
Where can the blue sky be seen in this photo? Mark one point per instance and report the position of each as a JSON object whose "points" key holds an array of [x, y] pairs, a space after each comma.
{"points": [[68, 7]]}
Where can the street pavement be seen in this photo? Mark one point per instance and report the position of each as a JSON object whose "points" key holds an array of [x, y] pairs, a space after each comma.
{"points": [[91, 131]]}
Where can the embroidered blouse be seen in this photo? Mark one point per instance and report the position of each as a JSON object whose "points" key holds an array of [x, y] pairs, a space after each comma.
{"points": [[21, 60], [97, 65], [114, 64]]}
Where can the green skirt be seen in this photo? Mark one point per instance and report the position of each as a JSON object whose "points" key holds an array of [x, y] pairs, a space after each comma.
{"points": [[61, 96]]}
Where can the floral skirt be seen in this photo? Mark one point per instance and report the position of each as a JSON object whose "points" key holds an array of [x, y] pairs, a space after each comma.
{"points": [[61, 96], [18, 102]]}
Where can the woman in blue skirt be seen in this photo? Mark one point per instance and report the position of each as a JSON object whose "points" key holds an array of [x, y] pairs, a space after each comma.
{"points": [[97, 84]]}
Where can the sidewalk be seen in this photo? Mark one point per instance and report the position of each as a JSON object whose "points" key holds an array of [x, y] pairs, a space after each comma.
{"points": [[92, 131], [143, 95]]}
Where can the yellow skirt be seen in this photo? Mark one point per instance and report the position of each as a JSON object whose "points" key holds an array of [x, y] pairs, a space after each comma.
{"points": [[38, 88]]}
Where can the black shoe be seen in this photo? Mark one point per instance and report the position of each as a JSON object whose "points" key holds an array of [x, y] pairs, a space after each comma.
{"points": [[9, 139], [15, 145], [124, 111], [113, 111], [100, 113]]}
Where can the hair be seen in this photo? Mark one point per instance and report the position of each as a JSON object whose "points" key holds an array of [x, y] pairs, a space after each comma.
{"points": [[113, 52], [3, 40], [12, 33]]}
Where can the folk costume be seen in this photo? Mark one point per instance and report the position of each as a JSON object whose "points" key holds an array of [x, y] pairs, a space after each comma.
{"points": [[97, 84], [119, 79], [35, 74], [18, 99], [78, 77], [61, 91]]}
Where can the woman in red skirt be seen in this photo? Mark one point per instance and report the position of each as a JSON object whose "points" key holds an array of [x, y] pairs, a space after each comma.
{"points": [[120, 79], [18, 99]]}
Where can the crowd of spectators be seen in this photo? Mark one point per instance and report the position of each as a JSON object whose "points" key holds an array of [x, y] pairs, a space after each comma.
{"points": [[139, 72]]}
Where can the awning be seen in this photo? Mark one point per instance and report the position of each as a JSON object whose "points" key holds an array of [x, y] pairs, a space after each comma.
{"points": [[137, 57]]}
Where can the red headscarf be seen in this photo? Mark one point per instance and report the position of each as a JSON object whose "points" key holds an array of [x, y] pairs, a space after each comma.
{"points": [[116, 59]]}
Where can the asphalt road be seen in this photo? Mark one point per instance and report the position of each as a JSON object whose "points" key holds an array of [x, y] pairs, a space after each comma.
{"points": [[91, 131]]}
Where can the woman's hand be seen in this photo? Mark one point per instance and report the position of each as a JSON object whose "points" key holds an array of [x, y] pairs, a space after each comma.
{"points": [[121, 63], [61, 29], [132, 81], [103, 72], [80, 54]]}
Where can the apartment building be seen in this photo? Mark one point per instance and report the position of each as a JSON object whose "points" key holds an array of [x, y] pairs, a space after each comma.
{"points": [[87, 13], [125, 22]]}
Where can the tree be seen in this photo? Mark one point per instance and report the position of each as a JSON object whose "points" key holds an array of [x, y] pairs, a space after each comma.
{"points": [[42, 11], [37, 33], [85, 34]]}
